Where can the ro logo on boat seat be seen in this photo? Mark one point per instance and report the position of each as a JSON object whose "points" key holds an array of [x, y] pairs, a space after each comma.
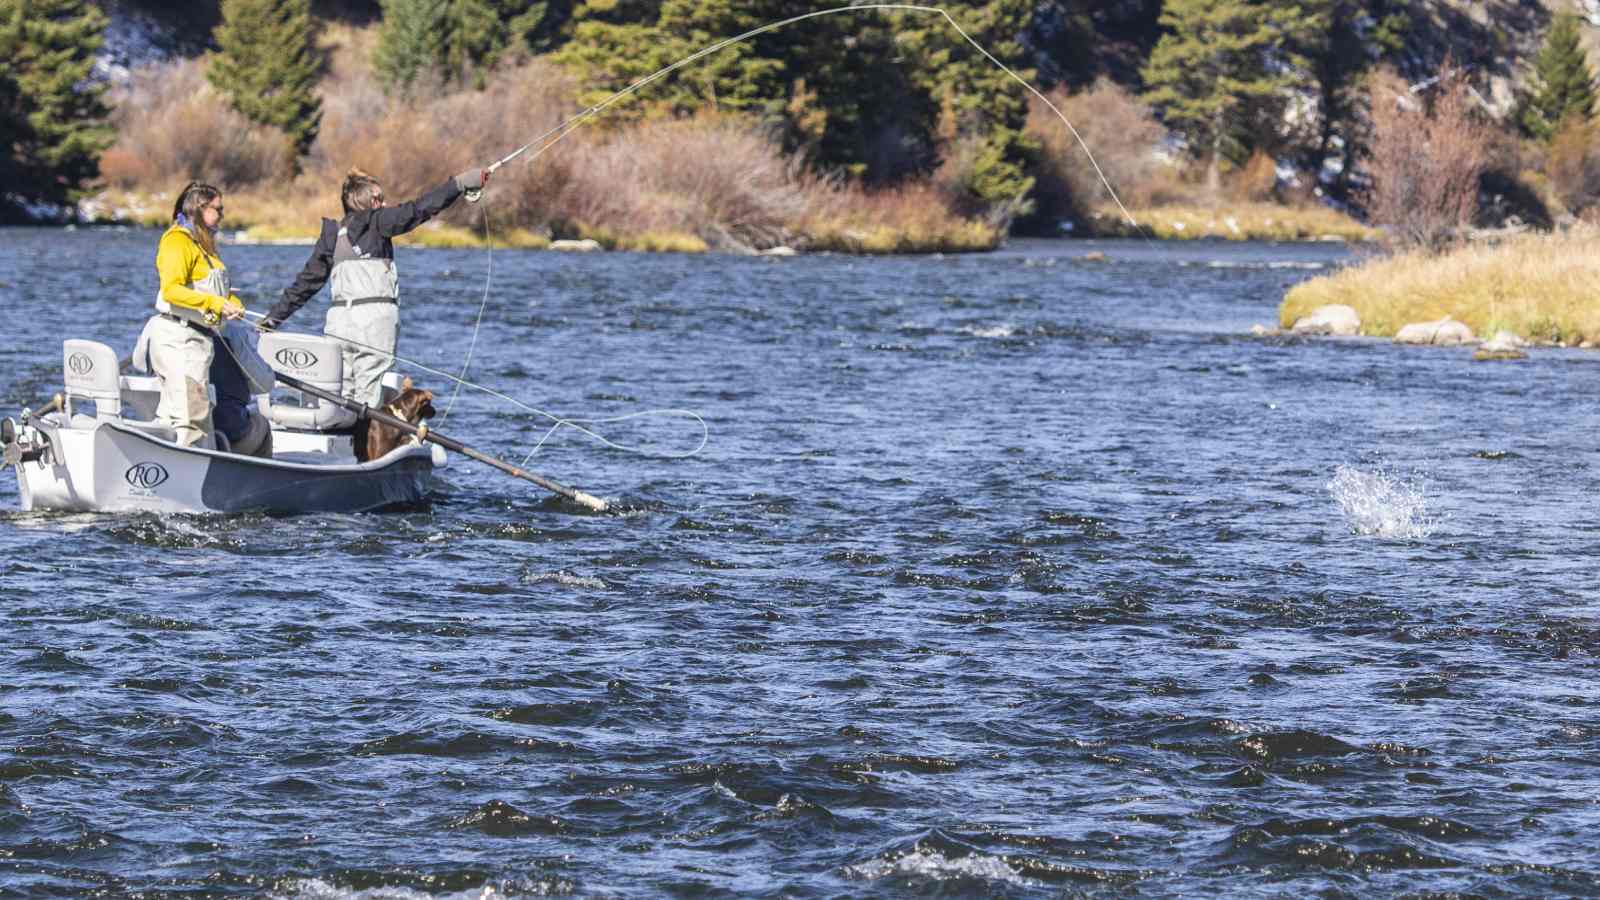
{"points": [[80, 364], [146, 475], [295, 358]]}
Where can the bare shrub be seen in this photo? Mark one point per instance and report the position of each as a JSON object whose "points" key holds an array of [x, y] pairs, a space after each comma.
{"points": [[172, 126], [415, 143], [1123, 135], [1572, 164], [1257, 182], [720, 179], [1428, 155]]}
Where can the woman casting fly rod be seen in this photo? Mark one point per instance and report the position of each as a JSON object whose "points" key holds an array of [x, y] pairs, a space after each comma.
{"points": [[356, 253]]}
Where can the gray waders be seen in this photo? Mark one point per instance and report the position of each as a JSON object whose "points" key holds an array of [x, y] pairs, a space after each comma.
{"points": [[365, 318], [180, 352]]}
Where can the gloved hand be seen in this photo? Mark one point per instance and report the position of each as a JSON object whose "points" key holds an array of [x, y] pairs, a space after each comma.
{"points": [[268, 324], [232, 308], [472, 179]]}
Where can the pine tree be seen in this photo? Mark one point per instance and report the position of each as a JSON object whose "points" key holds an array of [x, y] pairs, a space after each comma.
{"points": [[52, 116], [1222, 72], [609, 56], [1564, 84], [979, 100], [1347, 38], [540, 26], [475, 34], [268, 66], [410, 42]]}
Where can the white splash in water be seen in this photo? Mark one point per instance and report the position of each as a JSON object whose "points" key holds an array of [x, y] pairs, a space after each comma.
{"points": [[993, 331], [936, 866], [1381, 503], [317, 889], [566, 579]]}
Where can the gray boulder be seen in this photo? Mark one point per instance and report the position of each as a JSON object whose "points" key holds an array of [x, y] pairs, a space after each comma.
{"points": [[1444, 332], [1504, 345], [1335, 318]]}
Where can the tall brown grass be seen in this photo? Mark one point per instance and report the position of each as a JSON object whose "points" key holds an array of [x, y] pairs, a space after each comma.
{"points": [[1428, 156]]}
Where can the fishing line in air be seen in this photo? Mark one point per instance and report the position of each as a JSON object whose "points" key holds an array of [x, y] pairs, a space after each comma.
{"points": [[572, 123], [556, 422]]}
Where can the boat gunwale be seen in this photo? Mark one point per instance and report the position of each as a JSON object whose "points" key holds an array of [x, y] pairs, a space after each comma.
{"points": [[394, 456]]}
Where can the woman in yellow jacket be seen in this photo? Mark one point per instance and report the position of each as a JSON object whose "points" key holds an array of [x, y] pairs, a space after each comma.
{"points": [[194, 298]]}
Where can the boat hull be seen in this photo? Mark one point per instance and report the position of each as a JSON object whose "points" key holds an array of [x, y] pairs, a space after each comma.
{"points": [[114, 468]]}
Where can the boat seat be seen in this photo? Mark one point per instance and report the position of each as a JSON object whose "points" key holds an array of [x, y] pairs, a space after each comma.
{"points": [[316, 360], [90, 371], [141, 395]]}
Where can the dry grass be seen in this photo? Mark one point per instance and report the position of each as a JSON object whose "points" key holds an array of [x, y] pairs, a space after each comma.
{"points": [[1539, 286], [1235, 222], [911, 219]]}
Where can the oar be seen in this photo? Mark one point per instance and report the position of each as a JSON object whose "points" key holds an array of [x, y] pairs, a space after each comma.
{"points": [[427, 434]]}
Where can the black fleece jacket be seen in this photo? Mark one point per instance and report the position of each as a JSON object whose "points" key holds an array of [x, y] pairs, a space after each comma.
{"points": [[371, 231]]}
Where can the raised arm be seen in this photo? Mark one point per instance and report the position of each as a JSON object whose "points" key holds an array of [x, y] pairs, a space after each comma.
{"points": [[310, 280], [401, 218]]}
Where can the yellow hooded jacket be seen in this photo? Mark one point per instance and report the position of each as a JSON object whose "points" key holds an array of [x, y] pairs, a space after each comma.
{"points": [[180, 262]]}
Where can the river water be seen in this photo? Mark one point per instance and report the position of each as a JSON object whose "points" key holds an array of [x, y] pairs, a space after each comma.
{"points": [[1013, 575]]}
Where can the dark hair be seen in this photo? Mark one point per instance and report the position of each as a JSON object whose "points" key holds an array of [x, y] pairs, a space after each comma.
{"points": [[191, 200], [357, 191]]}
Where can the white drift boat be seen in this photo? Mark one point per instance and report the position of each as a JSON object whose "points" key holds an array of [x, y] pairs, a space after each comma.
{"points": [[97, 449]]}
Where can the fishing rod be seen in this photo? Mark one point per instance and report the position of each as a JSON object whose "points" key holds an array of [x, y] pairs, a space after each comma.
{"points": [[423, 433]]}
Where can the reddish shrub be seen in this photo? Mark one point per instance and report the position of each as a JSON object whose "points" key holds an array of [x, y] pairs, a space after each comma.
{"points": [[720, 179], [1428, 155]]}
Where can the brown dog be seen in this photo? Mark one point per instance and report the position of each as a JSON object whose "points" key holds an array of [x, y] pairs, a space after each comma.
{"points": [[377, 439]]}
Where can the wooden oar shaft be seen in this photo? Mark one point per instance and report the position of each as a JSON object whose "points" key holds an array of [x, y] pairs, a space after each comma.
{"points": [[449, 443]]}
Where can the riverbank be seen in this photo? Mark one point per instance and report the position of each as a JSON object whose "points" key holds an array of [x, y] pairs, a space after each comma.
{"points": [[1537, 286], [891, 223], [883, 224], [1233, 222]]}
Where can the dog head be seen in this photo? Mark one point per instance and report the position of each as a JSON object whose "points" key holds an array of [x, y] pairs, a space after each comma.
{"points": [[413, 405]]}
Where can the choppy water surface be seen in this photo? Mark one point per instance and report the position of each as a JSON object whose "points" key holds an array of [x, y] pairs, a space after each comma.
{"points": [[1010, 574]]}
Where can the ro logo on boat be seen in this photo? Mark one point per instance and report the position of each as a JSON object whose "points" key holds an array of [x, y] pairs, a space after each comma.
{"points": [[295, 358], [80, 364], [146, 475]]}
